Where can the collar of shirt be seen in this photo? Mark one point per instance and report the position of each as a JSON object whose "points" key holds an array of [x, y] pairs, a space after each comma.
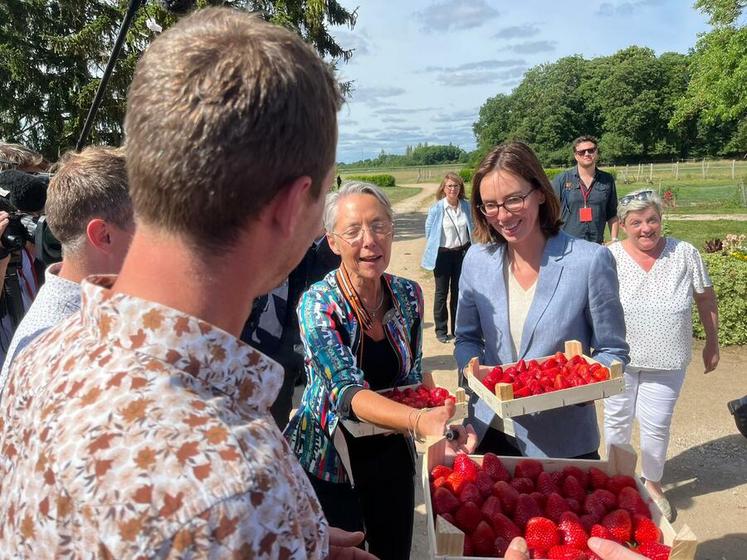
{"points": [[207, 353]]}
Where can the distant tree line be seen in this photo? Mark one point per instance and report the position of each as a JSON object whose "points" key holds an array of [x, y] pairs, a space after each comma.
{"points": [[422, 154]]}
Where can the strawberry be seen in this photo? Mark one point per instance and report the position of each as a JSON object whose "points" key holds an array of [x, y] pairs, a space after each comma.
{"points": [[600, 531], [528, 468], [619, 524], [484, 484], [654, 551], [629, 499], [492, 465], [618, 482], [555, 505], [580, 475], [507, 494], [467, 517], [573, 505], [526, 508], [588, 521], [466, 466], [540, 499], [439, 471], [444, 501], [470, 493], [565, 552], [440, 482], [644, 530], [491, 508], [572, 532], [572, 488], [483, 539], [545, 484], [523, 485], [456, 481], [505, 528], [597, 478], [500, 547], [469, 549], [600, 501], [541, 533], [557, 478]]}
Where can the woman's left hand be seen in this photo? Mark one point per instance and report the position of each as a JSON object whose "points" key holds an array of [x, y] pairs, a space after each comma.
{"points": [[711, 356]]}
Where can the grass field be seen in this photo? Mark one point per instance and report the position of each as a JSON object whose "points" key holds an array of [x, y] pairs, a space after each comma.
{"points": [[397, 194]]}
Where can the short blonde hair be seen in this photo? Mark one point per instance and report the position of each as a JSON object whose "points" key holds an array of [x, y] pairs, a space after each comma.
{"points": [[19, 157]]}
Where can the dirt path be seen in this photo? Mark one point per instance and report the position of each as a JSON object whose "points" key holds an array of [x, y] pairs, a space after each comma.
{"points": [[706, 474], [707, 217]]}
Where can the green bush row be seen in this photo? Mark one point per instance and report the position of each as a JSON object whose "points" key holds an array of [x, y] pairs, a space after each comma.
{"points": [[466, 174], [380, 180], [729, 276]]}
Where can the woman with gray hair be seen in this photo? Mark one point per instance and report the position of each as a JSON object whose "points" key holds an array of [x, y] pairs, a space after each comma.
{"points": [[362, 331], [659, 278]]}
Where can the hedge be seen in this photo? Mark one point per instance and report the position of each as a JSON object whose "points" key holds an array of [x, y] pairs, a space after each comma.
{"points": [[466, 174], [380, 180], [729, 276]]}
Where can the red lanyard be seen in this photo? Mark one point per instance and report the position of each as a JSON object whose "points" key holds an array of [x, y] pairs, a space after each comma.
{"points": [[26, 282], [585, 192]]}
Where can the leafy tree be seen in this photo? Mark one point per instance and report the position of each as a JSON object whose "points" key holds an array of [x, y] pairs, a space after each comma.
{"points": [[722, 12], [53, 53]]}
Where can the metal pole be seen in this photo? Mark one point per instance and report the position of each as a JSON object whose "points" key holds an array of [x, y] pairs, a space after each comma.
{"points": [[131, 11]]}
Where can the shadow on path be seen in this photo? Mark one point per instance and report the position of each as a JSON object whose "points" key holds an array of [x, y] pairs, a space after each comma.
{"points": [[410, 225]]}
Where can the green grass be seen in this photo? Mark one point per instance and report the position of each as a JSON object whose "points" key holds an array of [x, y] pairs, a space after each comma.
{"points": [[697, 232], [398, 194], [697, 196]]}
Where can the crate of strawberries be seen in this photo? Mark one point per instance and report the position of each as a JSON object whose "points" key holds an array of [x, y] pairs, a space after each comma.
{"points": [[432, 392], [563, 379], [477, 504]]}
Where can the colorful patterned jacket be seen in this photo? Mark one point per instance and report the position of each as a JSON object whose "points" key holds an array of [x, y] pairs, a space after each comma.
{"points": [[331, 336]]}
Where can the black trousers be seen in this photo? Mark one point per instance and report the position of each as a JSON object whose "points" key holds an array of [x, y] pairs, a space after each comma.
{"points": [[383, 510], [447, 272]]}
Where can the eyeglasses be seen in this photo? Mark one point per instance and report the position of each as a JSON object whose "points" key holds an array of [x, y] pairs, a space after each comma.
{"points": [[642, 195], [451, 187], [512, 204], [586, 152], [354, 234]]}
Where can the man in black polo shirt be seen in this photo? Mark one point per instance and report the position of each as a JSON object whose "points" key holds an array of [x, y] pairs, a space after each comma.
{"points": [[588, 196]]}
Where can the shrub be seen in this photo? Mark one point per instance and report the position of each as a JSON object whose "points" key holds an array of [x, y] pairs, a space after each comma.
{"points": [[729, 275], [466, 174], [380, 180], [553, 172]]}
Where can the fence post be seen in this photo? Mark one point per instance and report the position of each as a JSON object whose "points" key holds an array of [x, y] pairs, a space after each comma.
{"points": [[733, 169], [677, 171], [703, 167], [638, 175], [651, 172], [627, 168]]}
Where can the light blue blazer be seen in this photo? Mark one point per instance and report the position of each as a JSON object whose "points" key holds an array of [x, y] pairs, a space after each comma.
{"points": [[576, 298], [433, 230]]}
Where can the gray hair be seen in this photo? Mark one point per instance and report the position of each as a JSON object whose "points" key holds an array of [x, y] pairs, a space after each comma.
{"points": [[639, 204], [332, 203]]}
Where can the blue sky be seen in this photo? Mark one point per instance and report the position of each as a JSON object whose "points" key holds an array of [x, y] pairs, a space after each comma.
{"points": [[422, 68]]}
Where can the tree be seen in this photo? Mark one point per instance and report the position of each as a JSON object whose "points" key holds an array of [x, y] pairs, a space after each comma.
{"points": [[721, 12], [53, 52]]}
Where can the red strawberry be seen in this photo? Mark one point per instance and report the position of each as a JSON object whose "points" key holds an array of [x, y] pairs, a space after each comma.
{"points": [[541, 533], [505, 528], [491, 508], [565, 552], [571, 531], [467, 517], [541, 500], [456, 481], [600, 501], [555, 505], [644, 530], [492, 465], [523, 485], [572, 489], [654, 551], [507, 494], [466, 466], [439, 471], [619, 524], [580, 475], [557, 478], [450, 518], [444, 501], [618, 482], [500, 547], [440, 482], [545, 484], [470, 493], [600, 531], [526, 508], [484, 484], [528, 468], [588, 521], [469, 550], [597, 478], [574, 505], [629, 499], [483, 539]]}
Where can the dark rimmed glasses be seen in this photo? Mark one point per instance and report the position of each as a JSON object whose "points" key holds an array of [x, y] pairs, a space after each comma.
{"points": [[642, 195], [512, 204], [587, 151]]}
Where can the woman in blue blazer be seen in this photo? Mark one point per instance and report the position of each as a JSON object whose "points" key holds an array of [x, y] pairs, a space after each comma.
{"points": [[448, 232], [526, 288]]}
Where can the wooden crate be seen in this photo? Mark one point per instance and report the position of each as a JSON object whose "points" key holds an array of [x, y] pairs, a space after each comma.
{"points": [[503, 403], [448, 381], [446, 541]]}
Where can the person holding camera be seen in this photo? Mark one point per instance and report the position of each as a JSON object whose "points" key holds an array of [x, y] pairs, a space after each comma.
{"points": [[89, 211]]}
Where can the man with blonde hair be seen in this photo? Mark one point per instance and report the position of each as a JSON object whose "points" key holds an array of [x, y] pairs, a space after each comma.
{"points": [[16, 156], [89, 211], [140, 428]]}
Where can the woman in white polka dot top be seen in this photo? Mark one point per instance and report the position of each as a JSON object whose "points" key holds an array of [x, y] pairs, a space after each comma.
{"points": [[659, 278]]}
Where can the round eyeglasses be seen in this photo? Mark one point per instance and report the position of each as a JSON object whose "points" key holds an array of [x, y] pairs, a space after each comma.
{"points": [[354, 235], [512, 204]]}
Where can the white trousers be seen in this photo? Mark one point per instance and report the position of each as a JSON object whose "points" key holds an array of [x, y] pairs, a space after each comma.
{"points": [[650, 397]]}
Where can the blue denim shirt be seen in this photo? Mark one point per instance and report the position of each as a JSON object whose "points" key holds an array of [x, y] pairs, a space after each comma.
{"points": [[602, 201], [433, 230]]}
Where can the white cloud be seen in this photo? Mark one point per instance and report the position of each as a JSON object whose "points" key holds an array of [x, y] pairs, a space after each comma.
{"points": [[517, 31], [455, 14], [533, 47]]}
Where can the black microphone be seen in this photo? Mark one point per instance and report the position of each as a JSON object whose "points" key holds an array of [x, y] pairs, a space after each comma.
{"points": [[177, 6]]}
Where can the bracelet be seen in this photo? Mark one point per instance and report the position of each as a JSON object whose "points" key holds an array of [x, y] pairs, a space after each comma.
{"points": [[415, 434]]}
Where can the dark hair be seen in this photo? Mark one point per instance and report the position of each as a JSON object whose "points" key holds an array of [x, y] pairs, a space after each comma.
{"points": [[585, 138], [28, 193], [454, 177], [518, 159]]}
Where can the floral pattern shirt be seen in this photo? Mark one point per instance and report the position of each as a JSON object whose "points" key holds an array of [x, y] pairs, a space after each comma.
{"points": [[132, 430]]}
